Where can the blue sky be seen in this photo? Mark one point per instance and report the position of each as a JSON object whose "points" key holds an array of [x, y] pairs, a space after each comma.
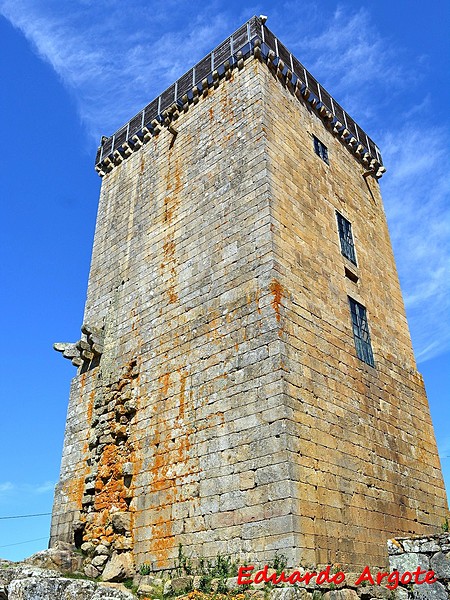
{"points": [[72, 71]]}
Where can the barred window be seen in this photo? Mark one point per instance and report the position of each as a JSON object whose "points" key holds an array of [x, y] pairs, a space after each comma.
{"points": [[361, 332], [346, 238], [321, 149]]}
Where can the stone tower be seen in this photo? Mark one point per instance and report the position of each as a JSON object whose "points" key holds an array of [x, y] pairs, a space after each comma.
{"points": [[246, 382]]}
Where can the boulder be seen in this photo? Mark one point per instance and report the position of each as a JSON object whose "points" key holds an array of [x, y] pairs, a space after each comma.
{"points": [[119, 567], [440, 563], [62, 558], [121, 521], [36, 588]]}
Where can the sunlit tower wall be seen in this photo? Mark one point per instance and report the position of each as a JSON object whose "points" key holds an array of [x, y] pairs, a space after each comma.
{"points": [[246, 382]]}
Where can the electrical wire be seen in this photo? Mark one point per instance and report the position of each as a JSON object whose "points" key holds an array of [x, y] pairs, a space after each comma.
{"points": [[26, 516], [27, 542]]}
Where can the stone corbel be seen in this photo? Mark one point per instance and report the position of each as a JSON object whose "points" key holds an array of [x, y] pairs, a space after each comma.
{"points": [[85, 350]]}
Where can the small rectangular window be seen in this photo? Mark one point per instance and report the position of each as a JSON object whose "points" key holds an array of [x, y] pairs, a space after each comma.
{"points": [[321, 149], [361, 332], [346, 238]]}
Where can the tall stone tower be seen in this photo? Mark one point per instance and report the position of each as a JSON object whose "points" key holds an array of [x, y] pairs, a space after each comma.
{"points": [[246, 382]]}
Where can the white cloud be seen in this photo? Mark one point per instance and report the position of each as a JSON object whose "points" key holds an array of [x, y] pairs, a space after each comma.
{"points": [[9, 488], [6, 486], [114, 64], [415, 191]]}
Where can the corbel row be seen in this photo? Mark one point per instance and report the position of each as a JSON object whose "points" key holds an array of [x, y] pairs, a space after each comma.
{"points": [[85, 350], [171, 114], [301, 91]]}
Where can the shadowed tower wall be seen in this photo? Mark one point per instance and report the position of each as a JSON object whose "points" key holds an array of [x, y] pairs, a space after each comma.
{"points": [[220, 402]]}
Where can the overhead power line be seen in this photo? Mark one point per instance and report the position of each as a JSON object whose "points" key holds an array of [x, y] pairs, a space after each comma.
{"points": [[27, 542], [25, 516]]}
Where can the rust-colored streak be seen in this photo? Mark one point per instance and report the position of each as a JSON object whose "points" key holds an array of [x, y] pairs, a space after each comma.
{"points": [[173, 296], [164, 380], [277, 292], [257, 299], [90, 407], [183, 377], [169, 264], [169, 209], [172, 445], [169, 249]]}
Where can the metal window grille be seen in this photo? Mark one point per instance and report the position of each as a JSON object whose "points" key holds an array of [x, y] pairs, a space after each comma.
{"points": [[361, 332], [346, 238], [321, 149]]}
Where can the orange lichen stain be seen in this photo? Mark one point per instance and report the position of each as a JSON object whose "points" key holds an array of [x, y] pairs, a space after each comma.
{"points": [[90, 407], [277, 291], [214, 324], [110, 471], [211, 113], [75, 490], [164, 380], [171, 461], [82, 380], [142, 164], [173, 296]]}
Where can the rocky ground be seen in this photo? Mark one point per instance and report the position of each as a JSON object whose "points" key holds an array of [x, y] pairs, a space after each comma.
{"points": [[60, 574]]}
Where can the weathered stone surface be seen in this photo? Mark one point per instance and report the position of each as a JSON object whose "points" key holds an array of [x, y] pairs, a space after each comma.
{"points": [[123, 543], [37, 588], [121, 521], [440, 563], [290, 593], [100, 560], [62, 558], [103, 593], [340, 595], [374, 591], [91, 571], [434, 591], [409, 561], [394, 547], [119, 567], [87, 547], [79, 590], [181, 584], [101, 549]]}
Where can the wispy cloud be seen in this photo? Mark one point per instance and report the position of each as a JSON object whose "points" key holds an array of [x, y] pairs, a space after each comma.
{"points": [[8, 488], [416, 194], [115, 57]]}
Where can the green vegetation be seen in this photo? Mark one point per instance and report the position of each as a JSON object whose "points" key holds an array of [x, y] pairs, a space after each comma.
{"points": [[145, 569]]}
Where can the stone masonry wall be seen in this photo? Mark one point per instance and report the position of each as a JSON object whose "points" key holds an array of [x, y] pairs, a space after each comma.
{"points": [[363, 462], [181, 279], [229, 412], [430, 552]]}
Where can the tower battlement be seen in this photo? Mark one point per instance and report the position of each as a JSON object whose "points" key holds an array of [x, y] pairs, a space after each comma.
{"points": [[253, 38]]}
